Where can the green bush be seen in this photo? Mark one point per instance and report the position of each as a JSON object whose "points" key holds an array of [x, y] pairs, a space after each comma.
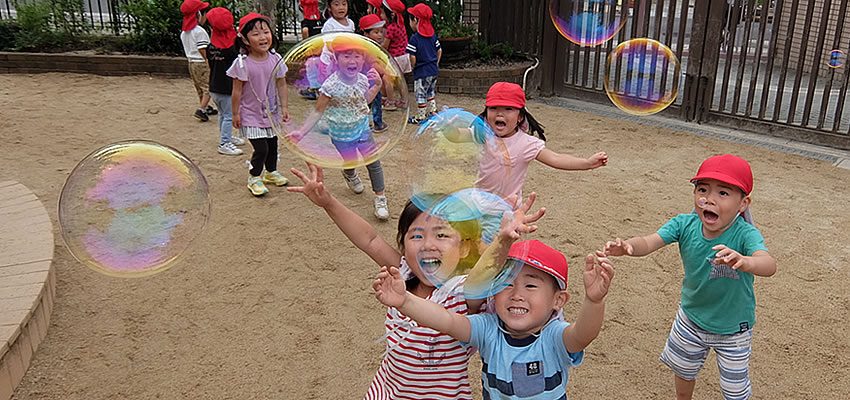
{"points": [[9, 30], [156, 26]]}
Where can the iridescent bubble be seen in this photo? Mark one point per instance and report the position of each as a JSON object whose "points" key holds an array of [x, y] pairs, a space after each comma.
{"points": [[447, 152], [332, 81], [131, 208], [703, 202], [836, 59], [642, 76], [588, 22], [452, 242]]}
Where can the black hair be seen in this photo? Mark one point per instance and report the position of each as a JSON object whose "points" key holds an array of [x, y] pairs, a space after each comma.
{"points": [[410, 212], [534, 127], [243, 34], [389, 13], [327, 13]]}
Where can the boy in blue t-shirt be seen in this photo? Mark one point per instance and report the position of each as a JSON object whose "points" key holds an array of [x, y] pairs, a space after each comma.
{"points": [[425, 52], [721, 254], [526, 347]]}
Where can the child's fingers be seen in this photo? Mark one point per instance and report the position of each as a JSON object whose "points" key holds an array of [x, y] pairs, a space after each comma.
{"points": [[589, 262], [299, 174], [536, 216]]}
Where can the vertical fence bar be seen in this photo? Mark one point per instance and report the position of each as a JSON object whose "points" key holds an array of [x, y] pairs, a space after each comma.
{"points": [[771, 56], [668, 37], [792, 23], [813, 78], [742, 57], [732, 26], [824, 104], [757, 63], [807, 28]]}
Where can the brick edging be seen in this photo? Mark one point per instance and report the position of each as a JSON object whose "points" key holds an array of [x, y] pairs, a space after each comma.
{"points": [[33, 63]]}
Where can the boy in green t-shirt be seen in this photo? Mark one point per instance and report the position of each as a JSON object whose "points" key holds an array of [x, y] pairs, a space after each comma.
{"points": [[721, 253]]}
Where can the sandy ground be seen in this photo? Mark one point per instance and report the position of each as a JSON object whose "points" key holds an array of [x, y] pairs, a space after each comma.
{"points": [[273, 302]]}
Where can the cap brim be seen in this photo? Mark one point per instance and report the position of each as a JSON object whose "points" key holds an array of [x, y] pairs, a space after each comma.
{"points": [[722, 178]]}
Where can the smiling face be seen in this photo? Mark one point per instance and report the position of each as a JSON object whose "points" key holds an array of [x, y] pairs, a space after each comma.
{"points": [[503, 120], [435, 245], [718, 204], [350, 63], [339, 9], [259, 39], [527, 304]]}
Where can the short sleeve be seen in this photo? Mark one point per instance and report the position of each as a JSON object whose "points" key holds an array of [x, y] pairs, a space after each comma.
{"points": [[436, 43], [281, 73], [672, 230], [534, 147], [411, 45], [202, 39], [753, 241], [555, 335], [237, 70], [479, 325]]}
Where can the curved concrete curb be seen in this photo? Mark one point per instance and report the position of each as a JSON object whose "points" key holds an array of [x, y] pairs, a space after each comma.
{"points": [[27, 281]]}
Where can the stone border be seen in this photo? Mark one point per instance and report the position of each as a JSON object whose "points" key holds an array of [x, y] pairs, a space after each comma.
{"points": [[474, 81], [27, 281]]}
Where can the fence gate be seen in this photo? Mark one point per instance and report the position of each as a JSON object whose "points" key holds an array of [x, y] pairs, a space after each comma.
{"points": [[761, 65]]}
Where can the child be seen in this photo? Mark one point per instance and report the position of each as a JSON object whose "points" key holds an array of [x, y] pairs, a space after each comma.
{"points": [[221, 53], [526, 348], [395, 41], [373, 28], [311, 25], [344, 102], [252, 103], [721, 254], [425, 52], [419, 363], [195, 41], [336, 16]]}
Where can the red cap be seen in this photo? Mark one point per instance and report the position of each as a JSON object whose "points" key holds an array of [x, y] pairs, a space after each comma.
{"points": [[371, 21], [345, 42], [190, 9], [505, 94], [221, 22], [250, 17], [398, 8], [729, 169], [542, 257], [375, 3], [311, 9], [423, 13]]}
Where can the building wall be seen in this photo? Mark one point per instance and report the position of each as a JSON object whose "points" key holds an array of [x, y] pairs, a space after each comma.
{"points": [[796, 29]]}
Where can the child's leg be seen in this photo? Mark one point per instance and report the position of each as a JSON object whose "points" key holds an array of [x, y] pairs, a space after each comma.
{"points": [[685, 353], [733, 361], [684, 388], [204, 72], [377, 112], [258, 159], [376, 175], [271, 154], [430, 93], [421, 99], [225, 117]]}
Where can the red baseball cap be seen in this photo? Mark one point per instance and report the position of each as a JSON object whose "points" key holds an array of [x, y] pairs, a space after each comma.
{"points": [[542, 257], [311, 9], [344, 42], [192, 6], [424, 14], [221, 22], [505, 94], [729, 169], [370, 21], [250, 17]]}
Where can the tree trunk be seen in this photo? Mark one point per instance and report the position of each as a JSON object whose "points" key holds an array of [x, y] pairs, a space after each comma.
{"points": [[267, 8]]}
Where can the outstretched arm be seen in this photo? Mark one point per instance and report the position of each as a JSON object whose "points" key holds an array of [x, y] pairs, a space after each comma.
{"points": [[321, 104], [597, 279], [390, 290], [572, 163], [761, 263], [636, 247], [356, 229]]}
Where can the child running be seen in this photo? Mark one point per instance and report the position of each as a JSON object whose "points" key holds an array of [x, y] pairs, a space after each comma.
{"points": [[252, 103], [425, 52], [195, 41], [395, 41], [526, 348], [344, 103], [221, 53], [721, 254], [419, 362]]}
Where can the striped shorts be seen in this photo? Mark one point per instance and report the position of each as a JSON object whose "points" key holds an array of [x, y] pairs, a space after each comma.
{"points": [[688, 346]]}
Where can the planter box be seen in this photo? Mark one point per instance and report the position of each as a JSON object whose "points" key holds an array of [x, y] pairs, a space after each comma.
{"points": [[33, 63]]}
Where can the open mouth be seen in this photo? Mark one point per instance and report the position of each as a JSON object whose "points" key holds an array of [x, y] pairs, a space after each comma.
{"points": [[710, 216], [430, 265], [517, 310], [500, 124]]}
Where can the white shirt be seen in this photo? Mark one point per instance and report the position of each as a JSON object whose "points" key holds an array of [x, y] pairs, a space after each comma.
{"points": [[331, 26], [194, 40]]}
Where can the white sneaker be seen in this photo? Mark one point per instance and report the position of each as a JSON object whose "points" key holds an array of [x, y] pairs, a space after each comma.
{"points": [[237, 141], [229, 149], [381, 210], [353, 182]]}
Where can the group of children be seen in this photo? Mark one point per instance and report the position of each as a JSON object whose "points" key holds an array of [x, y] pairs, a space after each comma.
{"points": [[525, 344]]}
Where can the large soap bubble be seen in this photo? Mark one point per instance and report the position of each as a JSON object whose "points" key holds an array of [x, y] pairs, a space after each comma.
{"points": [[333, 81], [130, 209], [642, 76], [588, 22]]}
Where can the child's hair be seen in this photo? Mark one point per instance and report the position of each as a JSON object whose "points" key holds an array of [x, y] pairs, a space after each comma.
{"points": [[469, 231], [533, 125], [243, 48], [389, 13], [326, 15]]}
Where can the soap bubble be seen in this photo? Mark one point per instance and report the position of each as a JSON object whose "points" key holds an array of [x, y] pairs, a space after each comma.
{"points": [[588, 22], [331, 84], [836, 59], [130, 209], [642, 76]]}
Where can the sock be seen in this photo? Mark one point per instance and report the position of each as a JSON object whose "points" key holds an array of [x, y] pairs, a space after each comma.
{"points": [[421, 111], [432, 105]]}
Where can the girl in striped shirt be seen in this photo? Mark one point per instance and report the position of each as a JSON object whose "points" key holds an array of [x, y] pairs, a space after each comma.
{"points": [[419, 362]]}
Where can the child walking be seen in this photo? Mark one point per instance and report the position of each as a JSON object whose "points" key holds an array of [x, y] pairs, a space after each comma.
{"points": [[195, 41], [344, 103], [252, 103], [419, 362], [425, 52], [721, 254], [525, 346], [221, 53], [336, 20], [373, 28], [395, 41]]}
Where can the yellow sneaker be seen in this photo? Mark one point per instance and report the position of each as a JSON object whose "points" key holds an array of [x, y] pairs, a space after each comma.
{"points": [[275, 177], [256, 186]]}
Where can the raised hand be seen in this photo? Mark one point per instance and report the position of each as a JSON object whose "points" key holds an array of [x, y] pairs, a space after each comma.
{"points": [[389, 287], [314, 186], [598, 272], [597, 160], [618, 247], [514, 228]]}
